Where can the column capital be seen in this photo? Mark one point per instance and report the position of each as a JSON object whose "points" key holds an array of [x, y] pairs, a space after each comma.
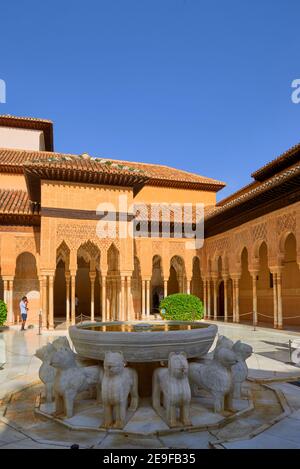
{"points": [[235, 276], [277, 269], [7, 278], [47, 272], [146, 278], [92, 276]]}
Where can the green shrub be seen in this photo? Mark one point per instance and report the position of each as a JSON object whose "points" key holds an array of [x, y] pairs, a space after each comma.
{"points": [[3, 312], [181, 307]]}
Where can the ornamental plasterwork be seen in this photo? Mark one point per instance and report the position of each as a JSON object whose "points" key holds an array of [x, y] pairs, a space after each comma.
{"points": [[286, 222], [259, 232], [75, 235], [177, 249], [218, 245], [242, 238], [25, 244]]}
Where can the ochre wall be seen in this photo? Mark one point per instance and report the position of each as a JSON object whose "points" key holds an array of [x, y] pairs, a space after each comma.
{"points": [[12, 181], [81, 196], [150, 194]]}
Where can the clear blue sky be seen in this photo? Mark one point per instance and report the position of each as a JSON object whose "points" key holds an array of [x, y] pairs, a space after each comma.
{"points": [[199, 85]]}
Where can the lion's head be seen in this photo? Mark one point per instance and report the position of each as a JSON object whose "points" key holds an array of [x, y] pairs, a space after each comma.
{"points": [[178, 365], [113, 363], [242, 350]]}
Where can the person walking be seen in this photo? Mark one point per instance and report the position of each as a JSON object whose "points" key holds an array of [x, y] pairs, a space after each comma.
{"points": [[23, 311]]}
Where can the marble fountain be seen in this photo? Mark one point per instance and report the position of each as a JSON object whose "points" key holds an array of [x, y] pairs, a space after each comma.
{"points": [[144, 378]]}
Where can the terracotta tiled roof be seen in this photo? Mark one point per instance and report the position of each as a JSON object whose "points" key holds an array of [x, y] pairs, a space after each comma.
{"points": [[16, 160], [31, 123], [14, 202], [13, 160], [283, 161], [159, 173], [11, 118], [275, 188]]}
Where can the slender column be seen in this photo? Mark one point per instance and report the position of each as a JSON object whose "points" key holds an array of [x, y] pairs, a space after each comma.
{"points": [[10, 315], [143, 298], [148, 299], [208, 299], [225, 299], [129, 298], [103, 298], [112, 300], [41, 297], [188, 286], [279, 292], [44, 300], [205, 297], [108, 299], [92, 280], [122, 316], [119, 300], [51, 303], [237, 301], [6, 293], [73, 285], [67, 275], [254, 297], [165, 288], [233, 300], [215, 299], [275, 299]]}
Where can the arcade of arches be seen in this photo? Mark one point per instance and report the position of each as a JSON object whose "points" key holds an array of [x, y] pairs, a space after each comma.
{"points": [[258, 281]]}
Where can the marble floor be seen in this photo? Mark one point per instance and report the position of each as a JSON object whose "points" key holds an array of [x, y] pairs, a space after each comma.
{"points": [[272, 424]]}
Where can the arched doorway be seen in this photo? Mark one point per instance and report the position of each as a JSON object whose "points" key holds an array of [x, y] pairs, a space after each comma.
{"points": [[26, 283], [290, 282], [197, 283], [221, 308], [245, 289], [137, 289], [265, 308], [113, 285], [60, 293], [87, 287], [157, 284], [177, 276]]}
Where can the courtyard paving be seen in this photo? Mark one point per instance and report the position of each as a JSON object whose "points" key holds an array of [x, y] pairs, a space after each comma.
{"points": [[272, 424]]}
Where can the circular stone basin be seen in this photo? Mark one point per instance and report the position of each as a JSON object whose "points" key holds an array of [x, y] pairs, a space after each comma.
{"points": [[143, 342]]}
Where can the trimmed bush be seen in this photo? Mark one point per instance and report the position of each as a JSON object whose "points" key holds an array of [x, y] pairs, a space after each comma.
{"points": [[3, 312], [181, 307]]}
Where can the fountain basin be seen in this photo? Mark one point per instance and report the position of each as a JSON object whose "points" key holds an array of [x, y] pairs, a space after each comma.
{"points": [[143, 342]]}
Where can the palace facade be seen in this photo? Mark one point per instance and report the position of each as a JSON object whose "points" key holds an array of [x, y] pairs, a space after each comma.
{"points": [[248, 269]]}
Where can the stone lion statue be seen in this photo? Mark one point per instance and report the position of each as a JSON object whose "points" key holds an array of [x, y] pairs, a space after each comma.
{"points": [[172, 385], [71, 379], [47, 372], [118, 383], [240, 369], [216, 377]]}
